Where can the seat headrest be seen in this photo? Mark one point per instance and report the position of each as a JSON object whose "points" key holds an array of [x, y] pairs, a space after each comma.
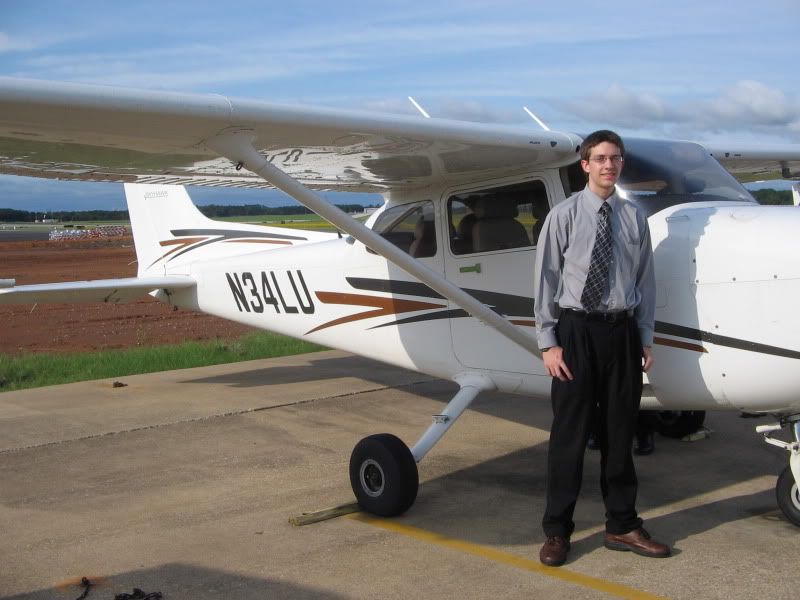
{"points": [[492, 207], [423, 228], [465, 225], [694, 185]]}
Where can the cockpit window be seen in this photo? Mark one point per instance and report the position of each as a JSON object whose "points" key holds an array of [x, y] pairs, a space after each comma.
{"points": [[659, 174], [410, 227]]}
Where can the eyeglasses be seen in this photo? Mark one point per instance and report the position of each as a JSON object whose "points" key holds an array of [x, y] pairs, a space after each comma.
{"points": [[616, 159]]}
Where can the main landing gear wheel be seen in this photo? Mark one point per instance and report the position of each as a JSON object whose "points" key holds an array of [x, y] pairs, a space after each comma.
{"points": [[678, 423], [788, 496], [383, 475]]}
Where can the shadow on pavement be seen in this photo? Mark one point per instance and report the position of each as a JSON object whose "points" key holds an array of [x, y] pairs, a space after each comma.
{"points": [[179, 580], [319, 369]]}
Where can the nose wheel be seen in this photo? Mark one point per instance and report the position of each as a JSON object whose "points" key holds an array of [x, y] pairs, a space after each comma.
{"points": [[383, 475], [787, 490], [788, 495]]}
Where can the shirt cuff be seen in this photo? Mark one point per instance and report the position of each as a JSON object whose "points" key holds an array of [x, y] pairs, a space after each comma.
{"points": [[646, 334], [547, 338]]}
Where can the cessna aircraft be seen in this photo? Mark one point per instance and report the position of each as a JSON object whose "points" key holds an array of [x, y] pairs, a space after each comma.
{"points": [[440, 279]]}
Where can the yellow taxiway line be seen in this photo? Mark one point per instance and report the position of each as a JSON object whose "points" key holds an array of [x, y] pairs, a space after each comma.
{"points": [[506, 558]]}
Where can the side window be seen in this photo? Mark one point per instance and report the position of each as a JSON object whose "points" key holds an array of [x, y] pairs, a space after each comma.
{"points": [[410, 227], [498, 218]]}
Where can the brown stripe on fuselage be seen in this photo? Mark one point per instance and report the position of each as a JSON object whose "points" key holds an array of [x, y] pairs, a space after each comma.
{"points": [[179, 244], [384, 306], [523, 323], [679, 344], [257, 241]]}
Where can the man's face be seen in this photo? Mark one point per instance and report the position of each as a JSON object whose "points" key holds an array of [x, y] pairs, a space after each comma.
{"points": [[603, 168]]}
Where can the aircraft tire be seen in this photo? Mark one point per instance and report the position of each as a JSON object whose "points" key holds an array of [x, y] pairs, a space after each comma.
{"points": [[383, 475], [678, 423], [788, 496]]}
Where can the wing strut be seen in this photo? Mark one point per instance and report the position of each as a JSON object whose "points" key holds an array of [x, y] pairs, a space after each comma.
{"points": [[237, 146]]}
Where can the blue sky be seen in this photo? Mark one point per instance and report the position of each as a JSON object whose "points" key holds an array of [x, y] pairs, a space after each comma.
{"points": [[685, 69]]}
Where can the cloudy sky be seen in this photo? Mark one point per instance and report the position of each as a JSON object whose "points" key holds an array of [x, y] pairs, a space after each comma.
{"points": [[687, 69]]}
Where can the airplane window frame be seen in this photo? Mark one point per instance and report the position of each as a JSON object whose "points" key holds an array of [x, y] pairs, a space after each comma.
{"points": [[394, 216], [538, 197]]}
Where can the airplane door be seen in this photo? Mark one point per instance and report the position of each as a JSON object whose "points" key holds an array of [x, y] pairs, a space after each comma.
{"points": [[491, 251]]}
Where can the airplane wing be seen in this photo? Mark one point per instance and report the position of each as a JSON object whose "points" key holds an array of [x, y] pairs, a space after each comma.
{"points": [[89, 132], [116, 291], [86, 132], [752, 163]]}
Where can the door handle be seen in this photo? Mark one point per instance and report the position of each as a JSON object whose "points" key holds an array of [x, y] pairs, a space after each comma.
{"points": [[476, 268]]}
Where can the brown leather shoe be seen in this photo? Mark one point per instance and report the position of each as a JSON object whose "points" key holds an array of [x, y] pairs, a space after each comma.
{"points": [[554, 551], [637, 541]]}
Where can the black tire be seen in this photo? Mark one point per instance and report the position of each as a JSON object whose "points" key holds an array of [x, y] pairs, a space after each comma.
{"points": [[383, 475], [678, 423], [788, 496]]}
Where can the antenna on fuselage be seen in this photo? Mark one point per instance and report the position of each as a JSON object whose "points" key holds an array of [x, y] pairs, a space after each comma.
{"points": [[535, 118], [419, 108]]}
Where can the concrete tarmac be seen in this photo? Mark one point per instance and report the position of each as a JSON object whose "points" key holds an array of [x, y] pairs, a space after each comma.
{"points": [[183, 482]]}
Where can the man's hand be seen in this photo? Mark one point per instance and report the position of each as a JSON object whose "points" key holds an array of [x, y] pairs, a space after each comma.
{"points": [[647, 354], [554, 363]]}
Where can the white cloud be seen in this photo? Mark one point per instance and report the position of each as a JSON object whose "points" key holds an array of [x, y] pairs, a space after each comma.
{"points": [[622, 107], [9, 44], [26, 43], [752, 102], [746, 106]]}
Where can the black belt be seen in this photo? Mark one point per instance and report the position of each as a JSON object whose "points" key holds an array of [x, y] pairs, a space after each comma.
{"points": [[608, 317]]}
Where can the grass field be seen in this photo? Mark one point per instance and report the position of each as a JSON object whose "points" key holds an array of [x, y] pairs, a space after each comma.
{"points": [[302, 221], [36, 370]]}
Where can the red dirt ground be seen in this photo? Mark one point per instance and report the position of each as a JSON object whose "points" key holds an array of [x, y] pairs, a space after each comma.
{"points": [[80, 327]]}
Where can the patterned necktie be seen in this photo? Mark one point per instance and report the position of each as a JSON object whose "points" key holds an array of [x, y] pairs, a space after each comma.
{"points": [[597, 279]]}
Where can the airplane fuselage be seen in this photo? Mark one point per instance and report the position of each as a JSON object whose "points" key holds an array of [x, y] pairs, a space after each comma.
{"points": [[725, 335]]}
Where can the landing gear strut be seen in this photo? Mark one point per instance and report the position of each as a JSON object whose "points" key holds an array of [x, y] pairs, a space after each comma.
{"points": [[787, 489], [383, 470]]}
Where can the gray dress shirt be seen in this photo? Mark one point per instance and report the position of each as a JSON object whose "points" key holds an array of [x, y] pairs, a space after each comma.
{"points": [[564, 253]]}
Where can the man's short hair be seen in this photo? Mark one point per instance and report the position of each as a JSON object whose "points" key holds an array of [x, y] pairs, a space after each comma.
{"points": [[598, 137]]}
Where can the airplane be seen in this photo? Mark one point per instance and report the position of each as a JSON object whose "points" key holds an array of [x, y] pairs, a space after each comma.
{"points": [[439, 280]]}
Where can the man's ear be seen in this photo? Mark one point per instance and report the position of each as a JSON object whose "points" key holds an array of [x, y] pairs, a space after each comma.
{"points": [[585, 166]]}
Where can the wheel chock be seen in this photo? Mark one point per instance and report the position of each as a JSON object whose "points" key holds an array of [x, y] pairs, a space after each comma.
{"points": [[308, 518]]}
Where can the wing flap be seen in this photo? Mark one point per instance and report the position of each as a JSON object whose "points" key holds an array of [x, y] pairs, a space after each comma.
{"points": [[115, 291]]}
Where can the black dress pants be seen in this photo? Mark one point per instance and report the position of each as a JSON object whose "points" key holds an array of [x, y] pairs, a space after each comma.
{"points": [[605, 359]]}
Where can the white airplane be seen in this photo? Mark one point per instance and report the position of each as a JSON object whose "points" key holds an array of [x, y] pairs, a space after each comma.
{"points": [[440, 279]]}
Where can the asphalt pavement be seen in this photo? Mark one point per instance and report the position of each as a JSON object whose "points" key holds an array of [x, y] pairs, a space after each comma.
{"points": [[184, 482]]}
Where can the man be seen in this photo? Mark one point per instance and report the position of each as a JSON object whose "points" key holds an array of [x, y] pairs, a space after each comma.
{"points": [[595, 307]]}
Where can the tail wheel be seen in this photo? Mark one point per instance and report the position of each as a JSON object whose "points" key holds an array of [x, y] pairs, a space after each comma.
{"points": [[383, 475], [678, 423], [788, 496]]}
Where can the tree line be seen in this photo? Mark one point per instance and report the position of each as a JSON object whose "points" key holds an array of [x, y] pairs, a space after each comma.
{"points": [[210, 210]]}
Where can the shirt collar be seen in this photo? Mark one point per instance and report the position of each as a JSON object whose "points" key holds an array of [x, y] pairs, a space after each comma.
{"points": [[595, 201]]}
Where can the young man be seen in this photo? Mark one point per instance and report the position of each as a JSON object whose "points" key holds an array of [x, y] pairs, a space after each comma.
{"points": [[595, 307]]}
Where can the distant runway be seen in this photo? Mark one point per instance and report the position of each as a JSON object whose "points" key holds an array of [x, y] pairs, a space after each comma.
{"points": [[23, 235]]}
